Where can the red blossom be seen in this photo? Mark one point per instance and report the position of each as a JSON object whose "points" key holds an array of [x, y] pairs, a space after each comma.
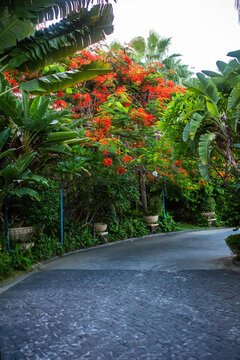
{"points": [[121, 170], [127, 159], [107, 162]]}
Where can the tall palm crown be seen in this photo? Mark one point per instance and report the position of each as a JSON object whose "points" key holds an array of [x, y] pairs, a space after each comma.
{"points": [[155, 48]]}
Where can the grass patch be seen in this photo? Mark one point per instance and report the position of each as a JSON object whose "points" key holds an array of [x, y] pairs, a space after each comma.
{"points": [[186, 226], [12, 275]]}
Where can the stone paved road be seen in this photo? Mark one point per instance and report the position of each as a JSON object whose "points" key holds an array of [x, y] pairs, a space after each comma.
{"points": [[136, 311]]}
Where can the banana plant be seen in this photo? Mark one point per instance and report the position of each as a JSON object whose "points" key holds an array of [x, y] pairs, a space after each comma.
{"points": [[36, 126], [79, 28], [214, 119], [14, 170]]}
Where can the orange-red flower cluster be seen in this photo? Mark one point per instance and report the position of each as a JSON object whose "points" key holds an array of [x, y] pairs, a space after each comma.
{"points": [[127, 159], [107, 162], [59, 104], [121, 170], [103, 123], [83, 99], [12, 82], [140, 115]]}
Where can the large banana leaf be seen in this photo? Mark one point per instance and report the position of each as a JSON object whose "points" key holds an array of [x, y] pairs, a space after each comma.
{"points": [[9, 103], [234, 98], [205, 142], [62, 136], [235, 54], [203, 169], [16, 170], [190, 129], [60, 40], [25, 191], [195, 122], [13, 28], [4, 135], [39, 10], [208, 87], [186, 132], [60, 81], [211, 73]]}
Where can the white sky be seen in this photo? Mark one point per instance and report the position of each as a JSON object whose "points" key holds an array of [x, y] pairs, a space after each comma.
{"points": [[203, 31]]}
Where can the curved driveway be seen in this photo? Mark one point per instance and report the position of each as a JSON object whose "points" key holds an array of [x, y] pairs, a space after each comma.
{"points": [[191, 250], [172, 296]]}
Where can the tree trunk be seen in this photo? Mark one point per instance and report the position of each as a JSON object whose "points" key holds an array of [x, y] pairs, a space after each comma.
{"points": [[143, 191]]}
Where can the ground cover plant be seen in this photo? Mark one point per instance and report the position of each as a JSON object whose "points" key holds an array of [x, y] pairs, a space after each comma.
{"points": [[233, 242]]}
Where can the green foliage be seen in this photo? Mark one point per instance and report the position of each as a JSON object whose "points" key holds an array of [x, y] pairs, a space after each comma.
{"points": [[155, 48], [60, 81], [45, 213], [155, 204], [127, 227], [208, 204], [59, 40], [5, 261], [78, 236], [45, 247], [75, 237], [233, 242], [214, 125], [21, 259], [168, 224], [228, 205]]}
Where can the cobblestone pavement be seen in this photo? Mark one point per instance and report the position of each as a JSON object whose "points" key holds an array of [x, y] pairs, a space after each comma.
{"points": [[102, 315], [143, 310]]}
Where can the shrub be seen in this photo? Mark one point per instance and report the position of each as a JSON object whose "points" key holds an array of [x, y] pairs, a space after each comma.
{"points": [[233, 242], [128, 227], [4, 262], [21, 259], [46, 212], [208, 204], [168, 224]]}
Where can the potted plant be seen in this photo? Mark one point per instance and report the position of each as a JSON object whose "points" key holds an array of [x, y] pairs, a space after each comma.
{"points": [[208, 209], [154, 208], [20, 234], [100, 220], [100, 227]]}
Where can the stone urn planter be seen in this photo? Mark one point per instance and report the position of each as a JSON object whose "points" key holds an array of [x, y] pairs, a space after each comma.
{"points": [[21, 234], [100, 227], [210, 216], [150, 219]]}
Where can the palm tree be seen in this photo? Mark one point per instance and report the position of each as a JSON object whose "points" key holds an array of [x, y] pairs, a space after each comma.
{"points": [[152, 49], [155, 49]]}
